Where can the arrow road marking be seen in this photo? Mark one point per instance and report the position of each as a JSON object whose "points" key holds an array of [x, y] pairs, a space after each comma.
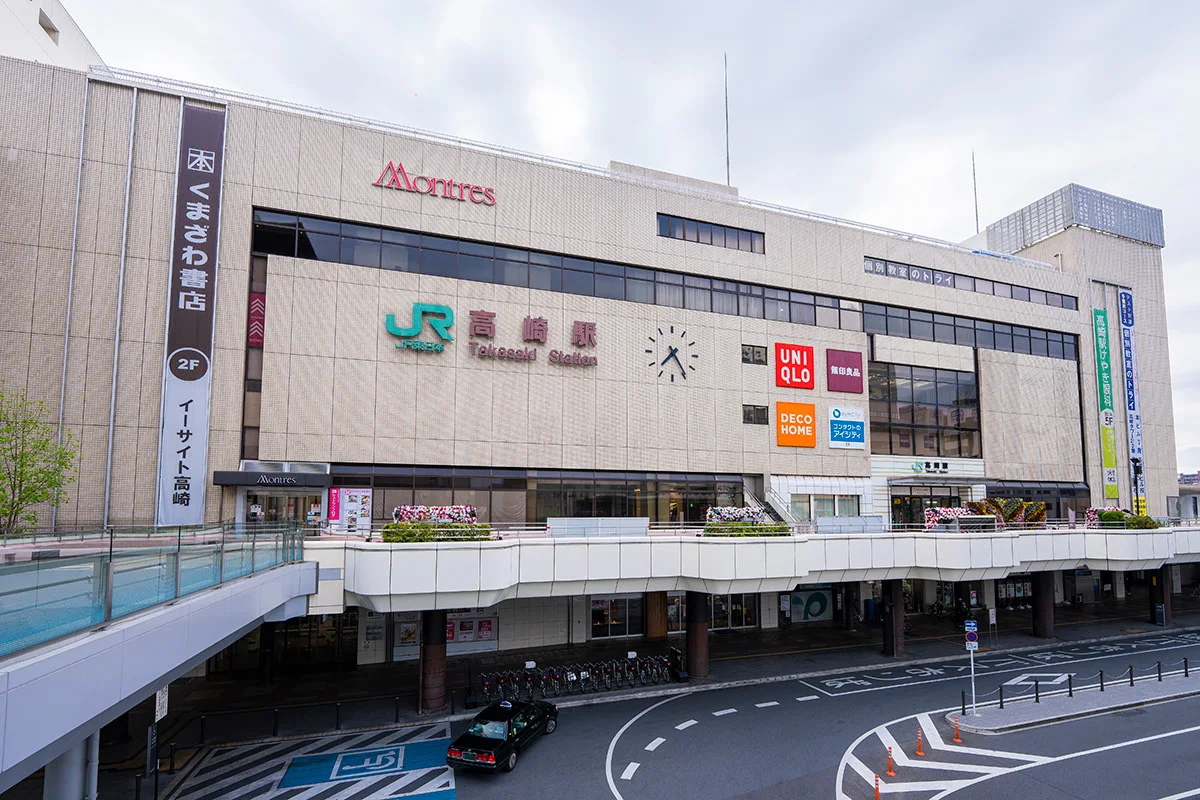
{"points": [[654, 745], [627, 775], [683, 726]]}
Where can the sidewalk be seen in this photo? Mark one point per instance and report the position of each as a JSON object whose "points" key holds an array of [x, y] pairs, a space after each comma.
{"points": [[238, 708], [1059, 704]]}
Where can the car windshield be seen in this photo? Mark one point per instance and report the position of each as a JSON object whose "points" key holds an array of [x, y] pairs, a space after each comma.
{"points": [[488, 729]]}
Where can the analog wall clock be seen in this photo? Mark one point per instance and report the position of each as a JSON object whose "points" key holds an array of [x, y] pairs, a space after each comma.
{"points": [[672, 354]]}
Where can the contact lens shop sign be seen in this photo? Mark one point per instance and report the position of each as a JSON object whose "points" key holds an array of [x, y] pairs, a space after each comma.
{"points": [[847, 428]]}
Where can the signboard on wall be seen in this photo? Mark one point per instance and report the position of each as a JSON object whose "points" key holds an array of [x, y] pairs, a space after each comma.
{"points": [[187, 372], [844, 371], [1133, 400], [795, 425], [847, 428], [811, 606], [794, 366], [350, 509], [1108, 428]]}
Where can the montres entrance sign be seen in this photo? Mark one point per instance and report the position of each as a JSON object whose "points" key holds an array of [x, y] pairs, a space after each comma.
{"points": [[395, 176]]}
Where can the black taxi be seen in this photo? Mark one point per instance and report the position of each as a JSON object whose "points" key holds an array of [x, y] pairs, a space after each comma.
{"points": [[500, 732]]}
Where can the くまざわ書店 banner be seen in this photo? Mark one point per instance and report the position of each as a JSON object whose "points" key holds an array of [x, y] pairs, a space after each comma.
{"points": [[187, 373]]}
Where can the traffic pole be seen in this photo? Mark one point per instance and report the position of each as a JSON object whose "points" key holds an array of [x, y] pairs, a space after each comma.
{"points": [[876, 787], [920, 752], [891, 773], [957, 739], [974, 710]]}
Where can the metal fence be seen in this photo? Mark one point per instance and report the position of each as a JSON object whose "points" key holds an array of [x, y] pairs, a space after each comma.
{"points": [[52, 585]]}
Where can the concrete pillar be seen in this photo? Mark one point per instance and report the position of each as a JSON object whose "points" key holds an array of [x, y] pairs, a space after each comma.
{"points": [[697, 634], [1043, 605], [73, 775], [853, 603], [1119, 585], [433, 662], [893, 618], [266, 652], [656, 615], [1160, 592]]}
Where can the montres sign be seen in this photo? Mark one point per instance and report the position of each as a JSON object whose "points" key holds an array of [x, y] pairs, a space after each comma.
{"points": [[394, 176]]}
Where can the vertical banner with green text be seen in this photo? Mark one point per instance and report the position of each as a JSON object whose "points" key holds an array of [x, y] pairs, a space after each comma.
{"points": [[1108, 427]]}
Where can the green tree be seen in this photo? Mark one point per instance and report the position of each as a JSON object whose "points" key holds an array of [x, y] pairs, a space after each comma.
{"points": [[35, 468]]}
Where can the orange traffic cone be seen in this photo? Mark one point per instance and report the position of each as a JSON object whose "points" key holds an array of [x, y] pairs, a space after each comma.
{"points": [[920, 752], [891, 773], [956, 736]]}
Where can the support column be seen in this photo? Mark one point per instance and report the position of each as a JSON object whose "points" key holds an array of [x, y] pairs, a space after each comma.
{"points": [[266, 652], [433, 662], [697, 634], [1160, 592], [656, 615], [853, 604], [893, 618], [72, 776], [1043, 605]]}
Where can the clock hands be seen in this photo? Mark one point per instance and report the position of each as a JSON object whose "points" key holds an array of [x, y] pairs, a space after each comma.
{"points": [[673, 355]]}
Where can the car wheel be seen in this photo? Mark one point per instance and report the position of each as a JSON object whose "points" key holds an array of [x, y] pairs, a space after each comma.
{"points": [[551, 724], [511, 764]]}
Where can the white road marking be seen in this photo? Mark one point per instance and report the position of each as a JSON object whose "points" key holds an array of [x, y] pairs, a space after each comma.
{"points": [[627, 775], [654, 745], [1182, 795], [807, 697], [908, 786], [903, 759], [936, 743], [683, 726], [1091, 752], [612, 743], [724, 711], [766, 705]]}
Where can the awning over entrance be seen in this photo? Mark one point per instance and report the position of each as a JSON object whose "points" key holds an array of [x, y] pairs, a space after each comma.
{"points": [[281, 480]]}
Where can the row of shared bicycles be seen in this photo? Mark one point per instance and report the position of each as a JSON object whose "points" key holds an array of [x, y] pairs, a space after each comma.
{"points": [[558, 681]]}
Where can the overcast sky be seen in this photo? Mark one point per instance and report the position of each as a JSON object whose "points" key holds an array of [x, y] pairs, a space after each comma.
{"points": [[868, 111]]}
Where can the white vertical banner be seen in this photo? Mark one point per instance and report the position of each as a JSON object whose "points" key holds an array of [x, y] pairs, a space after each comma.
{"points": [[1133, 400], [187, 372]]}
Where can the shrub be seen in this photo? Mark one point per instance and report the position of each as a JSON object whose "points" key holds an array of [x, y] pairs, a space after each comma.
{"points": [[746, 529], [404, 532], [1141, 522], [1113, 519]]}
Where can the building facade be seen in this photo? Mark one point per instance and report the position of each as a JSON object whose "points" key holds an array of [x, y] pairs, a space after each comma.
{"points": [[247, 311]]}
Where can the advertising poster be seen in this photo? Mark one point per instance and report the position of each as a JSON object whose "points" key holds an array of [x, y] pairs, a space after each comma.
{"points": [[451, 626], [811, 606], [844, 371], [350, 510], [1108, 428], [406, 633], [466, 630], [1133, 401], [795, 425], [847, 428], [485, 630], [794, 366]]}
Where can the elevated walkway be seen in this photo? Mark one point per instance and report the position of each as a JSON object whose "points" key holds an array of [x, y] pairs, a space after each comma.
{"points": [[91, 624]]}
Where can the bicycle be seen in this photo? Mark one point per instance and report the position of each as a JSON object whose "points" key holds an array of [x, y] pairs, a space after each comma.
{"points": [[485, 686]]}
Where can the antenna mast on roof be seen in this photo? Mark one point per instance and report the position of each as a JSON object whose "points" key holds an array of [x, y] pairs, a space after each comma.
{"points": [[727, 183], [975, 189]]}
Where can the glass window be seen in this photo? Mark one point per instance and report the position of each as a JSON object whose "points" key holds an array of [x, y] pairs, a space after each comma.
{"points": [[476, 249], [758, 242], [254, 363], [1002, 289], [639, 291], [1054, 299], [964, 282], [1038, 296], [696, 298], [1070, 302], [1037, 342], [400, 257], [1020, 293], [546, 278], [874, 323], [668, 294], [676, 228], [600, 267], [578, 282], [691, 231], [943, 329], [800, 507], [705, 233], [983, 287], [400, 237], [746, 241], [250, 443], [724, 302], [902, 441], [824, 505], [750, 306], [804, 313], [360, 231], [318, 225], [847, 505], [828, 317], [921, 325], [318, 246], [258, 274], [926, 442], [439, 243], [969, 444], [1069, 347], [1054, 345], [475, 268], [274, 217], [852, 320], [439, 262], [609, 286], [950, 443], [360, 252], [664, 225], [718, 235], [897, 322], [881, 439], [1004, 339], [985, 335], [274, 240], [1020, 340], [964, 332], [510, 273]]}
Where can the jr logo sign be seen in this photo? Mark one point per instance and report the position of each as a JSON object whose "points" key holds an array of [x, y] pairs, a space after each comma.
{"points": [[440, 318]]}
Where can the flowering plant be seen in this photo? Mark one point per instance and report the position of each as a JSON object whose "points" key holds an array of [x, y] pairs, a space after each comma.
{"points": [[458, 515], [1091, 517], [935, 516], [735, 514]]}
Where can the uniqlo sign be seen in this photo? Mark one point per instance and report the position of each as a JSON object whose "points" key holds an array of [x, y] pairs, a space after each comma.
{"points": [[795, 425], [794, 366], [844, 370]]}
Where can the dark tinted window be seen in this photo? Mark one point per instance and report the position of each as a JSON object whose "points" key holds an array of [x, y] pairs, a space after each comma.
{"points": [[475, 268], [319, 246], [577, 282], [400, 258], [546, 278], [438, 262]]}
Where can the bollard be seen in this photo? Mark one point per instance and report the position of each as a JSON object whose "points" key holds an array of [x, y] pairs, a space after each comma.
{"points": [[275, 722], [137, 786], [1070, 685], [957, 738], [876, 787], [891, 773], [337, 716], [1185, 668], [1131, 674], [1002, 697], [203, 719], [156, 771], [396, 701], [964, 704], [1102, 680], [920, 752], [1160, 672], [172, 746], [1037, 691]]}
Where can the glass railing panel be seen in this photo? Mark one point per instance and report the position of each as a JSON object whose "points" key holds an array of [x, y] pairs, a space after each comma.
{"points": [[44, 599], [142, 579], [199, 567], [238, 556]]}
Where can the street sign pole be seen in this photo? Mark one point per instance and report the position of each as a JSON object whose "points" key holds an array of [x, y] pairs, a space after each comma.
{"points": [[971, 634], [974, 713]]}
